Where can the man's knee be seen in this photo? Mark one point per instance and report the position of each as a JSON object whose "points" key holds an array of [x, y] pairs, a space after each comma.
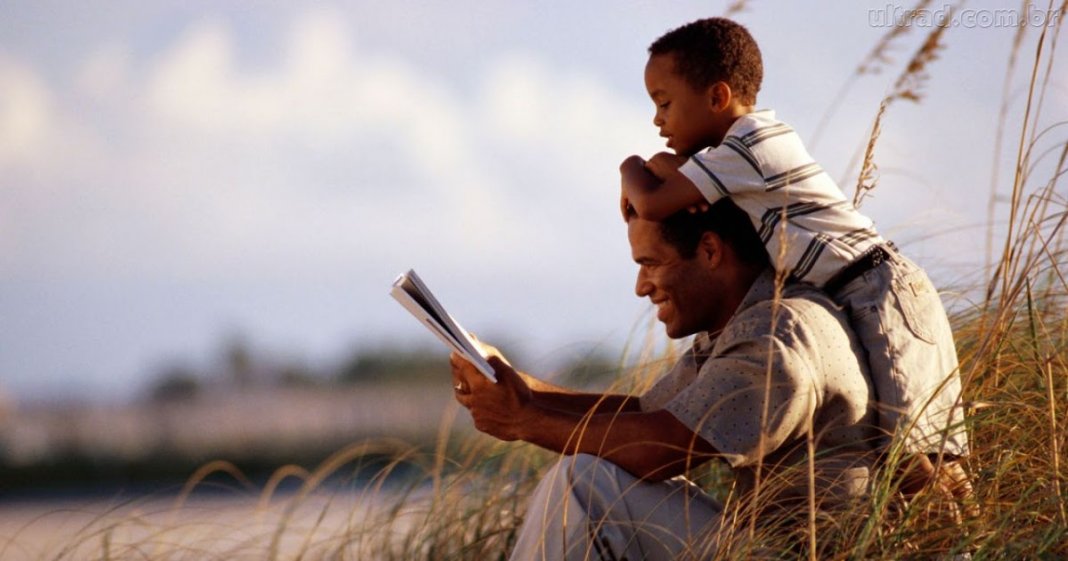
{"points": [[580, 475]]}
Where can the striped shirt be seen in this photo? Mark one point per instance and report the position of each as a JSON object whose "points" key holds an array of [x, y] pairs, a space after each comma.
{"points": [[809, 228]]}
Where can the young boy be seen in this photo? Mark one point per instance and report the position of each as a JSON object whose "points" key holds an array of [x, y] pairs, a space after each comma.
{"points": [[703, 78]]}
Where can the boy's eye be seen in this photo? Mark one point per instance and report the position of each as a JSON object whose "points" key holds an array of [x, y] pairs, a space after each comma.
{"points": [[664, 105]]}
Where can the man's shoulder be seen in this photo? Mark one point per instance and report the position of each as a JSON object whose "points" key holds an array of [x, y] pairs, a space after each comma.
{"points": [[805, 298], [800, 306]]}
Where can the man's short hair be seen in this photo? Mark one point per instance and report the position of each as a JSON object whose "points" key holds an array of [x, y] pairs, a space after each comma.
{"points": [[715, 50], [684, 230]]}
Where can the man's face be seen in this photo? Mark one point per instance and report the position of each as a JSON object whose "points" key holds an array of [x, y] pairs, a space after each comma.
{"points": [[684, 115], [683, 290]]}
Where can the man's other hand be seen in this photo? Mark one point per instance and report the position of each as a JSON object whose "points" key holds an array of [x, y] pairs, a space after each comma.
{"points": [[487, 350]]}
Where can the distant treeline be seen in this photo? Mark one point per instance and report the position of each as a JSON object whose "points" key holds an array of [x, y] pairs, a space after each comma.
{"points": [[253, 410], [241, 367]]}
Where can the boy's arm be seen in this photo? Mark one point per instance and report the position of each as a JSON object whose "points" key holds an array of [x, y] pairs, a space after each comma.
{"points": [[652, 197], [663, 164]]}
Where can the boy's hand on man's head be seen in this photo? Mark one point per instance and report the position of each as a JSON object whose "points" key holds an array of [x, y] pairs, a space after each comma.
{"points": [[664, 164], [703, 207], [631, 166]]}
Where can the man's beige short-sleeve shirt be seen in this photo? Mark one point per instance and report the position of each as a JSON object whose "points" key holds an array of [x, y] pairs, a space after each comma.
{"points": [[799, 352]]}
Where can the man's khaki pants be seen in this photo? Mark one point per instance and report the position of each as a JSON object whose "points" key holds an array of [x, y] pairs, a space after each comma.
{"points": [[589, 508]]}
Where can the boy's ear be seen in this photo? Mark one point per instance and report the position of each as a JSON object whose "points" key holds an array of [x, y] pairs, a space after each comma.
{"points": [[719, 96]]}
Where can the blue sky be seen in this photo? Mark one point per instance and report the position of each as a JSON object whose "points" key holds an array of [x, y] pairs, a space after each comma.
{"points": [[173, 174]]}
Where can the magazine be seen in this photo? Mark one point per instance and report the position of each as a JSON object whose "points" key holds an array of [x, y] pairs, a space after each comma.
{"points": [[414, 295]]}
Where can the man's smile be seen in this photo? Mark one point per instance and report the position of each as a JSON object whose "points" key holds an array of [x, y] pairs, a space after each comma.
{"points": [[662, 306]]}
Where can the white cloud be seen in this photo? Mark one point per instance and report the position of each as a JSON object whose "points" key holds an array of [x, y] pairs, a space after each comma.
{"points": [[105, 73], [517, 99], [194, 164], [25, 110], [189, 84], [320, 87], [320, 48], [326, 92], [571, 120], [322, 91]]}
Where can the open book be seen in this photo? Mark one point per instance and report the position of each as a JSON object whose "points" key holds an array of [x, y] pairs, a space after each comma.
{"points": [[410, 291]]}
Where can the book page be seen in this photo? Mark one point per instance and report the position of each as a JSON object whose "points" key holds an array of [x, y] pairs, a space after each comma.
{"points": [[410, 291]]}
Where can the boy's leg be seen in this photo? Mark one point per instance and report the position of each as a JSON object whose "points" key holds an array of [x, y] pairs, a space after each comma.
{"points": [[588, 508], [902, 324]]}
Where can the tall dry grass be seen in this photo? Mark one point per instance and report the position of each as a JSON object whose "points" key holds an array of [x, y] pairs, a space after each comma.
{"points": [[465, 499]]}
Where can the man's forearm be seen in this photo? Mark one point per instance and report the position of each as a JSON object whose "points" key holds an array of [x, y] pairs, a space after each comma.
{"points": [[653, 446], [559, 398], [585, 403]]}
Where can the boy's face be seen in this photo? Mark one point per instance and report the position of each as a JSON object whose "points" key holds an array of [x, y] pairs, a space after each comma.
{"points": [[686, 116]]}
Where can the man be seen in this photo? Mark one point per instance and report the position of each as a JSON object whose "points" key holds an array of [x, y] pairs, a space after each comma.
{"points": [[767, 379]]}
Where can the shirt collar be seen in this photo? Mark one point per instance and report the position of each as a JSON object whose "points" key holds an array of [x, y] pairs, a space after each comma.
{"points": [[740, 122], [762, 289]]}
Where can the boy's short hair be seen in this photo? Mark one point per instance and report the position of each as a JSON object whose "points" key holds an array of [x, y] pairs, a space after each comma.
{"points": [[684, 230], [713, 50]]}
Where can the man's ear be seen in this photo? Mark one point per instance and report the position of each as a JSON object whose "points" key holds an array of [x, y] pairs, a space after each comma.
{"points": [[710, 250], [719, 96]]}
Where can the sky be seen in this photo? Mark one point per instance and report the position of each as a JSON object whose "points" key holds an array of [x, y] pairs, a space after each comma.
{"points": [[174, 175]]}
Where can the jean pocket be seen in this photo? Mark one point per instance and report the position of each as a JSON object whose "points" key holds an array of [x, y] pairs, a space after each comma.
{"points": [[919, 303]]}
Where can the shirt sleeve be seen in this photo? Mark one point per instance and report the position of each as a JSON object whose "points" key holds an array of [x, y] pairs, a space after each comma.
{"points": [[678, 377], [725, 405], [725, 170]]}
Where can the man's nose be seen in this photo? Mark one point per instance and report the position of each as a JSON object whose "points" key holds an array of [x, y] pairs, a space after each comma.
{"points": [[643, 287]]}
